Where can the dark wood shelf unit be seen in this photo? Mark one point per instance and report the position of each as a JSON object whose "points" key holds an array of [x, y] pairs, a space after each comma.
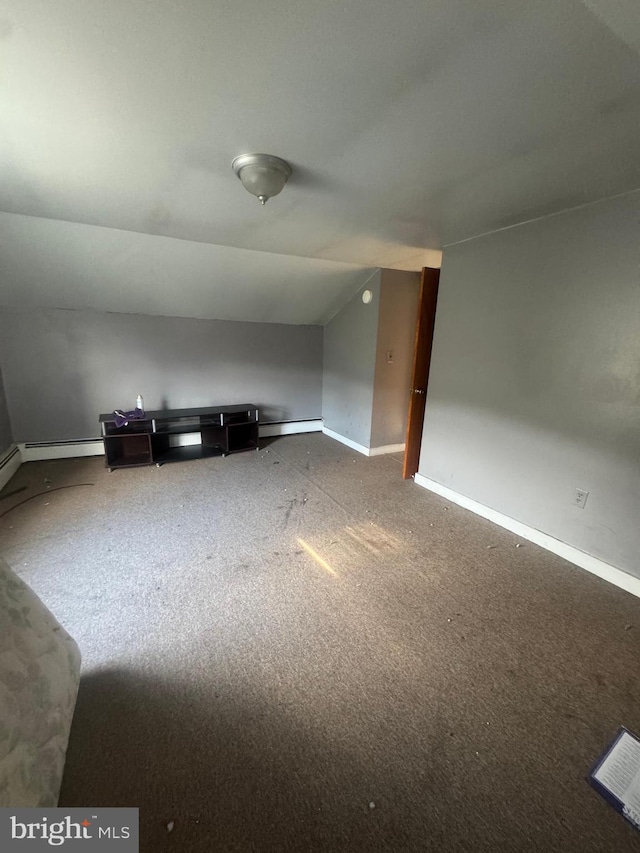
{"points": [[186, 453], [215, 437], [127, 450], [154, 439], [241, 437]]}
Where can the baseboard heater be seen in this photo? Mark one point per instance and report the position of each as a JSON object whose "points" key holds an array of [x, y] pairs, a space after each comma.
{"points": [[10, 461], [6, 459], [273, 428], [68, 442], [36, 451]]}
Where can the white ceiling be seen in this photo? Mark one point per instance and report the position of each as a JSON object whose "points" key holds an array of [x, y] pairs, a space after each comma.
{"points": [[410, 125]]}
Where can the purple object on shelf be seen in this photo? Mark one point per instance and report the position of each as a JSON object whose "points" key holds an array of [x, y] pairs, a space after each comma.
{"points": [[122, 418]]}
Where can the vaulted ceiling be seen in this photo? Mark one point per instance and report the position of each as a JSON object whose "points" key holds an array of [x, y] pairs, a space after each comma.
{"points": [[409, 125]]}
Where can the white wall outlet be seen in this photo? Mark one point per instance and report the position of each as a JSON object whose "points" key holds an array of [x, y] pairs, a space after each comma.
{"points": [[389, 356], [581, 498]]}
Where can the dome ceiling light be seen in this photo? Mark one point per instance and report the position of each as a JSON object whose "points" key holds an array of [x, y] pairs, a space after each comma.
{"points": [[262, 175]]}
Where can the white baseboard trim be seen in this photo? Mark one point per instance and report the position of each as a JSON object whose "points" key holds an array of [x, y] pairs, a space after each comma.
{"points": [[290, 428], [386, 448], [579, 558], [343, 440], [39, 451], [10, 461], [366, 451]]}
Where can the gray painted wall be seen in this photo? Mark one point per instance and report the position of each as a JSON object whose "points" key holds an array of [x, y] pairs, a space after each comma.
{"points": [[535, 378], [6, 435], [63, 368], [349, 366], [396, 333]]}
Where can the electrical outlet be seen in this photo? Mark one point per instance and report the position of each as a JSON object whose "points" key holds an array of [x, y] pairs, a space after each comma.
{"points": [[581, 498]]}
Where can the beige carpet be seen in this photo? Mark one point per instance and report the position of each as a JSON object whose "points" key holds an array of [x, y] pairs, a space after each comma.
{"points": [[295, 650]]}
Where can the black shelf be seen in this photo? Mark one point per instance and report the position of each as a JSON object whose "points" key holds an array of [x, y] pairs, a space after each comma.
{"points": [[185, 454], [128, 450], [178, 426], [242, 437], [137, 427], [130, 461], [222, 429]]}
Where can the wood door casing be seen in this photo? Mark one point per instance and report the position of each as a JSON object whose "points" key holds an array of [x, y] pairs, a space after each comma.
{"points": [[427, 301]]}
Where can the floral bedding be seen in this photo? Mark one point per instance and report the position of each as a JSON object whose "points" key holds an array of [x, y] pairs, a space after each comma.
{"points": [[39, 676]]}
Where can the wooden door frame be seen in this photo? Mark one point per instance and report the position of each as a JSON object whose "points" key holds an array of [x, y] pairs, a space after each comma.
{"points": [[423, 344]]}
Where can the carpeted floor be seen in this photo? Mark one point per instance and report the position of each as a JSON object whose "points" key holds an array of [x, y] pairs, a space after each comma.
{"points": [[296, 650]]}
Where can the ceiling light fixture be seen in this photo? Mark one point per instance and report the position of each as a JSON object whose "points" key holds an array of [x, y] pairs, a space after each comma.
{"points": [[262, 174]]}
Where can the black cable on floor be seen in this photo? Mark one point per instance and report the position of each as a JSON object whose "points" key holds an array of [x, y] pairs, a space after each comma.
{"points": [[39, 495], [11, 494]]}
